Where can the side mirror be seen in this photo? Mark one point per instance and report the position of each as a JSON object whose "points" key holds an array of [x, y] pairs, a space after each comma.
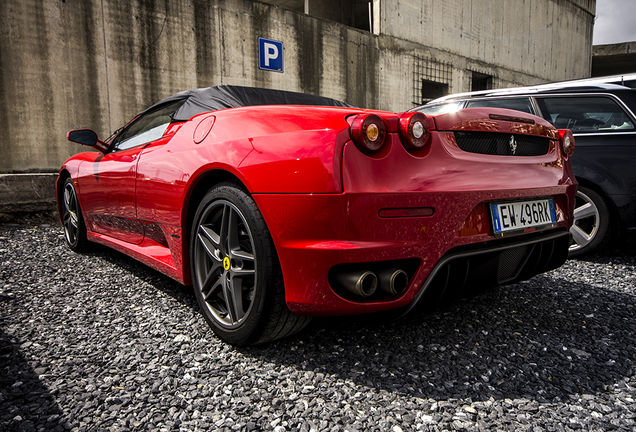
{"points": [[87, 137]]}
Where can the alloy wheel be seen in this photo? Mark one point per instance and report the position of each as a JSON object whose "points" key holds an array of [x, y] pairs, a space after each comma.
{"points": [[586, 222], [225, 264], [70, 217]]}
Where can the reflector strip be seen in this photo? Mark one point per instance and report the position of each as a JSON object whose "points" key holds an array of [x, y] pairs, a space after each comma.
{"points": [[406, 212]]}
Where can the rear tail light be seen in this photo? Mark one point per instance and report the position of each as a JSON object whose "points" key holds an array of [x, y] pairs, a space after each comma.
{"points": [[368, 132], [414, 130], [567, 141]]}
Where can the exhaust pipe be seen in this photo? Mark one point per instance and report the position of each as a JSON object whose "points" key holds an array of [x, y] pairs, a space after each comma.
{"points": [[393, 281], [361, 282]]}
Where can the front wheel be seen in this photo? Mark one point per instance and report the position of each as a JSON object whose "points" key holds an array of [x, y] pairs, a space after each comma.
{"points": [[591, 227], [74, 227], [235, 271]]}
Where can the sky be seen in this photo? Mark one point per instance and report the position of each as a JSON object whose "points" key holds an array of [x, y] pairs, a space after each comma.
{"points": [[615, 21]]}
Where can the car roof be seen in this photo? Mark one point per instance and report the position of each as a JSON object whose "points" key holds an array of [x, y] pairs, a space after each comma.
{"points": [[214, 98], [609, 83]]}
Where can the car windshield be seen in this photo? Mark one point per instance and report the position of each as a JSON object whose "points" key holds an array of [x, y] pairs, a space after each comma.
{"points": [[147, 127]]}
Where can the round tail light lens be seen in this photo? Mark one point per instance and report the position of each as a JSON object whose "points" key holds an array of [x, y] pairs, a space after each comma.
{"points": [[414, 130], [567, 141], [368, 132]]}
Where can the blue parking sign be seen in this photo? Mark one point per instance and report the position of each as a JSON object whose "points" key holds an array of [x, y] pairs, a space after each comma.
{"points": [[270, 55]]}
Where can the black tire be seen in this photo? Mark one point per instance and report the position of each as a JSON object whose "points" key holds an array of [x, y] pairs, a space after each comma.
{"points": [[72, 220], [591, 229], [235, 270]]}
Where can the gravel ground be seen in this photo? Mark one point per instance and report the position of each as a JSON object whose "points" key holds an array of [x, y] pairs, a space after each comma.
{"points": [[96, 342]]}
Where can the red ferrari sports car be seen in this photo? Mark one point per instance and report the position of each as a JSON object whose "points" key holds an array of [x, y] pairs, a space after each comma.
{"points": [[277, 206]]}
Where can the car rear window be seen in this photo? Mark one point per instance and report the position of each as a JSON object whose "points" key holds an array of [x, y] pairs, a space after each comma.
{"points": [[586, 114], [440, 108], [519, 104]]}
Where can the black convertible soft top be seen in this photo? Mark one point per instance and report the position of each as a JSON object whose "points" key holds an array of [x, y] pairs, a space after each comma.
{"points": [[225, 96]]}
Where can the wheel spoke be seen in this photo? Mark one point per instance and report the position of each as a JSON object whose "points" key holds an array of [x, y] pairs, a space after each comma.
{"points": [[580, 237], [70, 231], [585, 211], [224, 229], [233, 233], [242, 255], [215, 288], [67, 198], [66, 219], [240, 273], [235, 304], [210, 241], [210, 235], [228, 296], [212, 275]]}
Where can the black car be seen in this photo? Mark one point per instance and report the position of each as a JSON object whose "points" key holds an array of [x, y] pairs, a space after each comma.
{"points": [[600, 113]]}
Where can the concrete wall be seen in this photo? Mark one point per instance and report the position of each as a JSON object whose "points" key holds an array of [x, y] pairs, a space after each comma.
{"points": [[68, 64], [547, 39], [20, 193]]}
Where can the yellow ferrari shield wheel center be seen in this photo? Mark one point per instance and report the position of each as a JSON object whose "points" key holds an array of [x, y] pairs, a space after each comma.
{"points": [[226, 263]]}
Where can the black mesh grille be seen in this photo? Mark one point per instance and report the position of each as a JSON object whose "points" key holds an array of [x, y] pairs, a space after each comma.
{"points": [[470, 269], [509, 261], [502, 144]]}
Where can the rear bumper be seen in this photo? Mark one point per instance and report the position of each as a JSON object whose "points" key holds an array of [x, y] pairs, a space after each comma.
{"points": [[315, 233]]}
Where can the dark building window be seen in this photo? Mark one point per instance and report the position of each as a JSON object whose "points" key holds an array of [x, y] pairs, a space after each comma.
{"points": [[481, 82], [433, 90], [362, 12], [354, 13]]}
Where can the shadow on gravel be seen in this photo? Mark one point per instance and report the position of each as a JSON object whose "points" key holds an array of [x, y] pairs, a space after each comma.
{"points": [[25, 403], [543, 339], [159, 281]]}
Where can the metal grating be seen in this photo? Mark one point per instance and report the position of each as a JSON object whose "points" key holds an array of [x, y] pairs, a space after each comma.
{"points": [[467, 270], [502, 144], [509, 262], [431, 79]]}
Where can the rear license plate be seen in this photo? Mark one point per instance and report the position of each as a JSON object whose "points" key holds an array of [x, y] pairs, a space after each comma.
{"points": [[522, 216]]}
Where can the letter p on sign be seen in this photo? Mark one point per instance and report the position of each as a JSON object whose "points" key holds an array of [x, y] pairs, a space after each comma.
{"points": [[271, 52], [270, 55]]}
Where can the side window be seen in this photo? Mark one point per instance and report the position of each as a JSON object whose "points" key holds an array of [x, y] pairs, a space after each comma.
{"points": [[148, 127], [519, 104], [586, 114]]}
